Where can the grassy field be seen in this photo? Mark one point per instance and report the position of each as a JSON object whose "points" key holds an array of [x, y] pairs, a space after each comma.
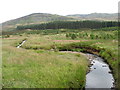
{"points": [[40, 68], [39, 64]]}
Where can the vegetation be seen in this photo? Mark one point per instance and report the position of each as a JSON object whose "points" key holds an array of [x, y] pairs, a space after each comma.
{"points": [[38, 18], [93, 35], [34, 18], [32, 69], [41, 65], [105, 48], [69, 25]]}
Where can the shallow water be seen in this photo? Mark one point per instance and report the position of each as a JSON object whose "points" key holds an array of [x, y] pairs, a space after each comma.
{"points": [[21, 44], [99, 76]]}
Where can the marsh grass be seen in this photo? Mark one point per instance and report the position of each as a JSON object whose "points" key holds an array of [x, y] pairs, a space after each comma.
{"points": [[41, 69], [39, 64], [106, 48]]}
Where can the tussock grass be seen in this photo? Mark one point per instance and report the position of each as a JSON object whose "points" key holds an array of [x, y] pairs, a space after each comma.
{"points": [[106, 49], [39, 64], [42, 69]]}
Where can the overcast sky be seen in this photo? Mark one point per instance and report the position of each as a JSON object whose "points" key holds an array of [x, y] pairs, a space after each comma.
{"points": [[11, 9]]}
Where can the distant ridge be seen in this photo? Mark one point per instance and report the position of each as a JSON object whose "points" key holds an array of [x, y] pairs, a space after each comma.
{"points": [[37, 18], [96, 16]]}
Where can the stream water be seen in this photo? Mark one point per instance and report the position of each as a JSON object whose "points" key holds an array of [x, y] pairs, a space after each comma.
{"points": [[21, 44], [99, 75]]}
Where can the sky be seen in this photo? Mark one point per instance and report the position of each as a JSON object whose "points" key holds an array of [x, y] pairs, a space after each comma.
{"points": [[12, 9]]}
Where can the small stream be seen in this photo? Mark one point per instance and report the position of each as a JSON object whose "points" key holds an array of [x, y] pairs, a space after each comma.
{"points": [[21, 44], [100, 74]]}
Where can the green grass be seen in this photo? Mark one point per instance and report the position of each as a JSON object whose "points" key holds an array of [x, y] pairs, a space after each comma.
{"points": [[39, 64], [41, 69], [106, 49]]}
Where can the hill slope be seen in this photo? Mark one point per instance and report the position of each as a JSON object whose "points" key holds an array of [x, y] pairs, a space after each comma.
{"points": [[34, 18], [44, 17], [96, 16]]}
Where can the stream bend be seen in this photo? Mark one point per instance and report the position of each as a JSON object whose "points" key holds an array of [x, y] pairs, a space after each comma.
{"points": [[99, 75]]}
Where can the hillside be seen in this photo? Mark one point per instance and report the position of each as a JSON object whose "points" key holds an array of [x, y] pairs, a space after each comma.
{"points": [[96, 16], [34, 18]]}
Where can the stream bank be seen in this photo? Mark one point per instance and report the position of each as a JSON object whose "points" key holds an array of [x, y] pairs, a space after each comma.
{"points": [[99, 62], [99, 74]]}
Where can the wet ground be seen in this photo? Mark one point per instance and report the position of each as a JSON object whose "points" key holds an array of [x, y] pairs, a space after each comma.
{"points": [[99, 76]]}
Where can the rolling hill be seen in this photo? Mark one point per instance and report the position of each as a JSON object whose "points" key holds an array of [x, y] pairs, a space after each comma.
{"points": [[34, 19], [37, 18], [96, 16]]}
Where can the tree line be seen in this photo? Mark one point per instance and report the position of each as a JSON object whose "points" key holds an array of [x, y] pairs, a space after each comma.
{"points": [[69, 25], [100, 35]]}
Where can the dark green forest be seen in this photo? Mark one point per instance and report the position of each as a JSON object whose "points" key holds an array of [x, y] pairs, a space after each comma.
{"points": [[69, 25]]}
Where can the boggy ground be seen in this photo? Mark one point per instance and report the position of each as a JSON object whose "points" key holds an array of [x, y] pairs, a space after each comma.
{"points": [[39, 64], [24, 68]]}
